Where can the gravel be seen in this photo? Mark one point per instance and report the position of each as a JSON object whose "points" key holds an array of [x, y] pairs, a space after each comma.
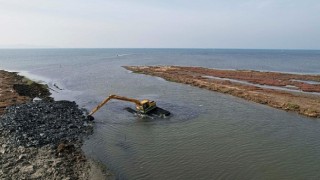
{"points": [[42, 140], [40, 123]]}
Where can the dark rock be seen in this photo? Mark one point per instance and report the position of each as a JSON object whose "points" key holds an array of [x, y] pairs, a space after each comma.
{"points": [[62, 147], [32, 90], [40, 123]]}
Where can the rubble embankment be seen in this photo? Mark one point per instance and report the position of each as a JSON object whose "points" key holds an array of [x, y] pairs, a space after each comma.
{"points": [[291, 92], [41, 139]]}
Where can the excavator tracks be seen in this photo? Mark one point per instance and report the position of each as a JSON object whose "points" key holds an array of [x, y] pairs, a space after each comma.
{"points": [[157, 112]]}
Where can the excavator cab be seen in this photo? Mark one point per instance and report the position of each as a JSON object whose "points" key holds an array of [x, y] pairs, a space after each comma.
{"points": [[146, 106]]}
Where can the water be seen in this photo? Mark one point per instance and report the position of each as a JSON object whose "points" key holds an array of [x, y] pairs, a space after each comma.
{"points": [[288, 88], [209, 136]]}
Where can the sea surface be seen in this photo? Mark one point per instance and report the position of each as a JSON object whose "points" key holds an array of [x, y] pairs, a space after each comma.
{"points": [[209, 136]]}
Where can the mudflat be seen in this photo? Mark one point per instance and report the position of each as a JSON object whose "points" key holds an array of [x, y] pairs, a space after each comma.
{"points": [[290, 92]]}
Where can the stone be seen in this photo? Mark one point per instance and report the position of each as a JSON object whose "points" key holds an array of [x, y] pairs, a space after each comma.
{"points": [[22, 156], [31, 131], [27, 169], [7, 165], [40, 123], [36, 99], [21, 149], [57, 162], [38, 174], [2, 150]]}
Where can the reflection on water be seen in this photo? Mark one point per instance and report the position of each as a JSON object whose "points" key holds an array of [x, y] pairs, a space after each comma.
{"points": [[209, 136]]}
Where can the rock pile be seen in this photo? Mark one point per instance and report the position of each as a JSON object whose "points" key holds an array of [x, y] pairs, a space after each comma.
{"points": [[40, 123], [42, 140], [42, 162]]}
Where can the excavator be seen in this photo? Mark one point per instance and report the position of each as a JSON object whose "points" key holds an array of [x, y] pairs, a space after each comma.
{"points": [[144, 107]]}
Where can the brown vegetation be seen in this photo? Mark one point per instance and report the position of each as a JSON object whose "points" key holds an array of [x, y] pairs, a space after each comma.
{"points": [[8, 96], [15, 89], [249, 85]]}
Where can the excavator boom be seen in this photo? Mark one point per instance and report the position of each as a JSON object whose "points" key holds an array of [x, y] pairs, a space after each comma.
{"points": [[137, 102], [144, 107]]}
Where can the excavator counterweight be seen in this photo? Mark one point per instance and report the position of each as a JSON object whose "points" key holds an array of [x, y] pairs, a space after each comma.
{"points": [[144, 107]]}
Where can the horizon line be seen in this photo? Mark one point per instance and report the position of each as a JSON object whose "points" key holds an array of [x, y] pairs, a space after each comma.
{"points": [[39, 48]]}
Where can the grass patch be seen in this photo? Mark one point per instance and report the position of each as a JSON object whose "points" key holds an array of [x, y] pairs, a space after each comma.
{"points": [[292, 106]]}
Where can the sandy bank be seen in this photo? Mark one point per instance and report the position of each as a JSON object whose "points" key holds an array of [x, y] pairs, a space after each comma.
{"points": [[291, 92], [41, 139]]}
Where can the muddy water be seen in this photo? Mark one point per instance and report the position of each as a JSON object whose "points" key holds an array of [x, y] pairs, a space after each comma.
{"points": [[209, 136]]}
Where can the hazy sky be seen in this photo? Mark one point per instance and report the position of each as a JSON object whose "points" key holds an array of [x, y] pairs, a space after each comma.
{"points": [[293, 24]]}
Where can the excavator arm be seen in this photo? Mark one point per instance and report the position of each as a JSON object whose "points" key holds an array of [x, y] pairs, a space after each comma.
{"points": [[137, 102], [142, 107]]}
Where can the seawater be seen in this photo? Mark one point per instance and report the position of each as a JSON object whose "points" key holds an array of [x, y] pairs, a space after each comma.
{"points": [[209, 136]]}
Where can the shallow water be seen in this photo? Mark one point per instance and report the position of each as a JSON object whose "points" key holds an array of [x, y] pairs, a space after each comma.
{"points": [[289, 88], [209, 136]]}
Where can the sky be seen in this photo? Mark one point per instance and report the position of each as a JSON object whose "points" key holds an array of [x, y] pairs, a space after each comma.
{"points": [[254, 24]]}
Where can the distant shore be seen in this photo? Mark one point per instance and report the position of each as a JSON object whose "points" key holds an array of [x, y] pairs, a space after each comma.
{"points": [[290, 92], [41, 138]]}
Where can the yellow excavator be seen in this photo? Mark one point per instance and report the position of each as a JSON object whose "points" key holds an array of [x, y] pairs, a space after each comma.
{"points": [[144, 107]]}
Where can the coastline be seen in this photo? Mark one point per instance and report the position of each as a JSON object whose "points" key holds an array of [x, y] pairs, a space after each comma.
{"points": [[290, 92], [32, 146]]}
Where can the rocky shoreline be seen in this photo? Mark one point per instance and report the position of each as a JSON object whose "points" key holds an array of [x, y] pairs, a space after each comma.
{"points": [[41, 138], [290, 92]]}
